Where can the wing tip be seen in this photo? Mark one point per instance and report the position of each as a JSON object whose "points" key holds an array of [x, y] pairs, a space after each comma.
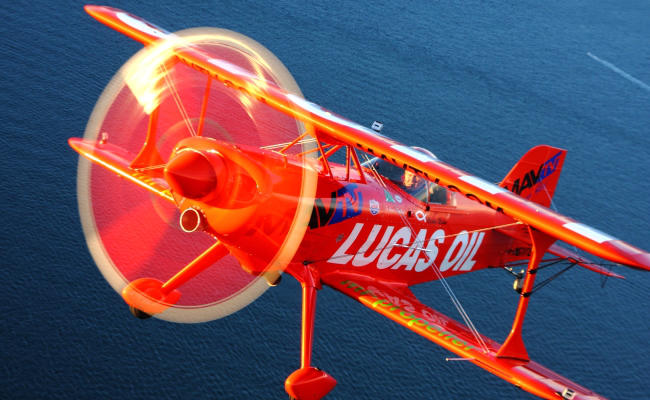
{"points": [[94, 10], [642, 261]]}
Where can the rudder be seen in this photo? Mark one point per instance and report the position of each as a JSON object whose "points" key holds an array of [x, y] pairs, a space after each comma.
{"points": [[535, 176]]}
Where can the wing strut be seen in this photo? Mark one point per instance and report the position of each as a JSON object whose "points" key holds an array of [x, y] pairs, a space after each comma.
{"points": [[455, 301], [513, 347], [149, 155], [204, 107]]}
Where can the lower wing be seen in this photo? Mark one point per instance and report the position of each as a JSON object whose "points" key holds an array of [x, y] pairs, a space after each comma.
{"points": [[399, 304], [116, 160]]}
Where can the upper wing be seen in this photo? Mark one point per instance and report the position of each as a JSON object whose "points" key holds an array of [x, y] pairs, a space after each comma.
{"points": [[342, 130], [128, 24], [399, 304]]}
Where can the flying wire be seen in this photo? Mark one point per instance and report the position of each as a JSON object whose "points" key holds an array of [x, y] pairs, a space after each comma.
{"points": [[454, 299], [151, 167], [178, 101], [603, 280], [280, 145]]}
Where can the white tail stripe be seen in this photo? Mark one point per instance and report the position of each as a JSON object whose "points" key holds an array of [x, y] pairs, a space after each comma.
{"points": [[588, 232], [482, 184], [141, 25]]}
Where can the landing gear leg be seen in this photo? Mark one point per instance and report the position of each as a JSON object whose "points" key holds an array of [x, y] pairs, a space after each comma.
{"points": [[513, 347], [308, 383]]}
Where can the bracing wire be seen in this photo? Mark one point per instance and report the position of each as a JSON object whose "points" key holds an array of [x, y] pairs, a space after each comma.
{"points": [[151, 167], [178, 101], [603, 280], [281, 145], [454, 299], [554, 208], [551, 278]]}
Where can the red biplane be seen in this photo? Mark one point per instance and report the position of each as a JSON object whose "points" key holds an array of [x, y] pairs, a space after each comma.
{"points": [[207, 128]]}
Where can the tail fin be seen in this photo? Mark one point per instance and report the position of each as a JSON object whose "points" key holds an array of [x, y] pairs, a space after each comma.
{"points": [[535, 176]]}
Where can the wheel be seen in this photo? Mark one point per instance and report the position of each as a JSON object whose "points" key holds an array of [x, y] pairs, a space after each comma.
{"points": [[139, 314]]}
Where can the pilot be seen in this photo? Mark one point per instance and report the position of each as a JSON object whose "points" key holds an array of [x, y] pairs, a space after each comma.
{"points": [[411, 182], [417, 187]]}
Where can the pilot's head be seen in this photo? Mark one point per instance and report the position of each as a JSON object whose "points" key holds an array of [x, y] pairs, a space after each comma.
{"points": [[410, 180]]}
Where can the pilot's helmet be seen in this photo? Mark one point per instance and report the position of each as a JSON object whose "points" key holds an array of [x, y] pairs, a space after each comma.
{"points": [[410, 180]]}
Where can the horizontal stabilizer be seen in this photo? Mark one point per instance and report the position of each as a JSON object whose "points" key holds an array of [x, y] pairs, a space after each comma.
{"points": [[400, 305], [582, 261], [557, 250]]}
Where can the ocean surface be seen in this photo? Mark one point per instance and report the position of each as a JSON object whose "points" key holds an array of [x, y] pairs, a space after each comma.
{"points": [[476, 82]]}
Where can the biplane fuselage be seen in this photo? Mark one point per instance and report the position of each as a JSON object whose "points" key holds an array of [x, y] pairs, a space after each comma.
{"points": [[378, 229], [361, 221], [369, 228]]}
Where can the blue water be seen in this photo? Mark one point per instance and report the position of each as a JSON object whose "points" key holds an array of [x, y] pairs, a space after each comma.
{"points": [[476, 82]]}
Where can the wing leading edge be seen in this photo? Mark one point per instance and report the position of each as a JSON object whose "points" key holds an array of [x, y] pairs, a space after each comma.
{"points": [[115, 159], [398, 303]]}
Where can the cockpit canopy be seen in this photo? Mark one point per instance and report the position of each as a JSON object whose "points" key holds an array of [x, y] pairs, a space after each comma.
{"points": [[414, 185]]}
